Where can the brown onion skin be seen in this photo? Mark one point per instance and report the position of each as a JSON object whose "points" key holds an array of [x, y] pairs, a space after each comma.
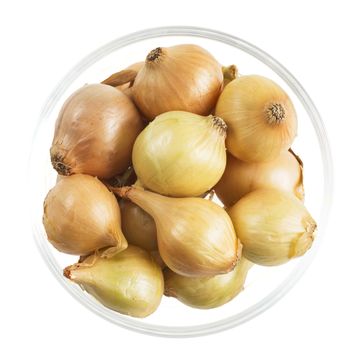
{"points": [[95, 132], [284, 173], [138, 227]]}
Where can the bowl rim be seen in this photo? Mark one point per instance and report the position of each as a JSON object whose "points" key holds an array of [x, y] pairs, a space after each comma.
{"points": [[294, 275]]}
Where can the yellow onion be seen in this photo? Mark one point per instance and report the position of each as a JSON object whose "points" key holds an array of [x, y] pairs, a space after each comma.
{"points": [[182, 77], [195, 236], [95, 132], [130, 282], [273, 226], [284, 173], [260, 117], [207, 292], [180, 154], [138, 227], [81, 216]]}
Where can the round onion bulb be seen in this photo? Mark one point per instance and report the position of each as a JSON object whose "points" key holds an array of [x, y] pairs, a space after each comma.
{"points": [[207, 292], [130, 282], [138, 227], [95, 132], [82, 216], [273, 226], [180, 154], [260, 117], [181, 77]]}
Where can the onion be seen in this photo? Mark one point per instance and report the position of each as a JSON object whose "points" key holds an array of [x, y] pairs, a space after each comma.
{"points": [[178, 78], [283, 173], [95, 132], [195, 236], [260, 117], [207, 292], [138, 227], [273, 226], [180, 154], [82, 216], [129, 282]]}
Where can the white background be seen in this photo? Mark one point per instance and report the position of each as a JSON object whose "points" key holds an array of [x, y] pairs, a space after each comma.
{"points": [[42, 40]]}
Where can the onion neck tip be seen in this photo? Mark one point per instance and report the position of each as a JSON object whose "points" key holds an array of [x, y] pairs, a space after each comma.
{"points": [[121, 192], [67, 272], [275, 113], [154, 54], [310, 229], [230, 73], [60, 166], [219, 124]]}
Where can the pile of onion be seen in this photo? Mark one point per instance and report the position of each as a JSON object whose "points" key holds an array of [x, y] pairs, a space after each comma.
{"points": [[139, 157]]}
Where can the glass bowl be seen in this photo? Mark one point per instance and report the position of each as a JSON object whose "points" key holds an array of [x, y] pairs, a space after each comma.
{"points": [[264, 285]]}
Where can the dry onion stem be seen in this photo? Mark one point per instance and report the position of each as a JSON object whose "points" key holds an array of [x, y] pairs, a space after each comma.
{"points": [[230, 73], [120, 78], [123, 80]]}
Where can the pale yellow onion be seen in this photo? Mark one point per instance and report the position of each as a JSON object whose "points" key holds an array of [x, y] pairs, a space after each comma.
{"points": [[207, 292], [273, 226], [260, 117], [81, 216], [95, 132], [180, 154], [130, 282], [181, 77], [283, 173], [195, 236], [138, 227]]}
